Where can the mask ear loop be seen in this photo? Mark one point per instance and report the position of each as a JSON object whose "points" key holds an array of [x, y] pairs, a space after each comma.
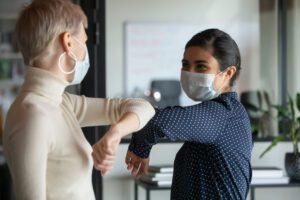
{"points": [[81, 45], [78, 41], [72, 55], [219, 90]]}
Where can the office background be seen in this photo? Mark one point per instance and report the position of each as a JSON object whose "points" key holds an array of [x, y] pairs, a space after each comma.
{"points": [[264, 68], [261, 74]]}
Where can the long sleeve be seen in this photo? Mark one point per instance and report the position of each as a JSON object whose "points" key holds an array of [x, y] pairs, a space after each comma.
{"points": [[100, 111], [26, 148], [201, 123]]}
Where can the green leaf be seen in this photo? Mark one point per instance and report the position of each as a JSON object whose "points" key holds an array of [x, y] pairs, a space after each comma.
{"points": [[250, 106], [279, 138], [282, 111], [260, 100], [291, 104], [254, 127], [298, 101], [298, 132]]}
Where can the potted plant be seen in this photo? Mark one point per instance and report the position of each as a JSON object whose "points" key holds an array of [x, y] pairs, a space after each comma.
{"points": [[291, 122], [261, 113]]}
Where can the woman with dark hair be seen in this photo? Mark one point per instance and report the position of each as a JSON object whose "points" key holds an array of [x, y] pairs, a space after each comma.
{"points": [[214, 161]]}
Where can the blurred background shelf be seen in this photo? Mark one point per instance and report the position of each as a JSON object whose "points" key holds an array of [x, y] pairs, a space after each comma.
{"points": [[8, 16], [11, 56], [5, 84]]}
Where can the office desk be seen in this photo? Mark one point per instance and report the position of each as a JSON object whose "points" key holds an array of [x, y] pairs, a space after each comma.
{"points": [[254, 186], [149, 187]]}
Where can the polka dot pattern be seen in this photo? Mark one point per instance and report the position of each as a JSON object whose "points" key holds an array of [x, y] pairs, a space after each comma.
{"points": [[214, 161]]}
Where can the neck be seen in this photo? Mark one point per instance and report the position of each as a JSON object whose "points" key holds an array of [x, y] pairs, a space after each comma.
{"points": [[51, 67], [226, 89], [44, 83]]}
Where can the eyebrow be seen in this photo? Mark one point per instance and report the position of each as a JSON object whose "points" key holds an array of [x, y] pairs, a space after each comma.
{"points": [[196, 61]]}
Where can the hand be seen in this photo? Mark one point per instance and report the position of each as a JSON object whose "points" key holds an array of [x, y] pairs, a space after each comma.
{"points": [[137, 165], [105, 150]]}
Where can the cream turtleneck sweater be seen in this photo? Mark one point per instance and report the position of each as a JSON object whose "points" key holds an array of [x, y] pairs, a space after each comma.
{"points": [[47, 153]]}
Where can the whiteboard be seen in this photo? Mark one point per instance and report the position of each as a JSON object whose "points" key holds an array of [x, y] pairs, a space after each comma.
{"points": [[155, 50]]}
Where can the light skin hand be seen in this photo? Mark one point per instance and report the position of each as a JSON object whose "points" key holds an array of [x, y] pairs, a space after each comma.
{"points": [[105, 150], [137, 165]]}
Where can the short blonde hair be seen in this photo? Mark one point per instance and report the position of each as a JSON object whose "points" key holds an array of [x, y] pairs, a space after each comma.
{"points": [[42, 21]]}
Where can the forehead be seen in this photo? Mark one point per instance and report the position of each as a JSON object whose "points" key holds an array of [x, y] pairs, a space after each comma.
{"points": [[198, 53]]}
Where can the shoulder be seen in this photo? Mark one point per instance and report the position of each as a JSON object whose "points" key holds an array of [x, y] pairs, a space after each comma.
{"points": [[28, 112], [29, 106], [236, 112], [228, 100]]}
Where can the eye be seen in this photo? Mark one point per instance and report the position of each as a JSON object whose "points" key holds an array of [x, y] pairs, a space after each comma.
{"points": [[185, 64], [201, 67]]}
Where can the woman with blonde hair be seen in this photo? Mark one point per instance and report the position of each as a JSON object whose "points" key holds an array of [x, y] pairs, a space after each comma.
{"points": [[47, 153]]}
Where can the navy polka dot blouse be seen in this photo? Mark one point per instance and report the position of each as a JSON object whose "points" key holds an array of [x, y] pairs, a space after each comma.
{"points": [[214, 161]]}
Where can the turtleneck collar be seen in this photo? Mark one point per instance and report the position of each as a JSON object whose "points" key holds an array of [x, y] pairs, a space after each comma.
{"points": [[44, 83]]}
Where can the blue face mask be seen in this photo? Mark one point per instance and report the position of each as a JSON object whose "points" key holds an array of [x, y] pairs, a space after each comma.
{"points": [[80, 68], [199, 86]]}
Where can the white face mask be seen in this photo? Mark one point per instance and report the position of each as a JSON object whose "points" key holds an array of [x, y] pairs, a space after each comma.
{"points": [[199, 86], [80, 68]]}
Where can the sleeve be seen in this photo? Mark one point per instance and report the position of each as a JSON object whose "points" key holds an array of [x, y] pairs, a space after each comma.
{"points": [[100, 111], [26, 149], [201, 123]]}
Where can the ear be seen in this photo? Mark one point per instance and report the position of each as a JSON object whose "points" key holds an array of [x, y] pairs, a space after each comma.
{"points": [[65, 40], [230, 72]]}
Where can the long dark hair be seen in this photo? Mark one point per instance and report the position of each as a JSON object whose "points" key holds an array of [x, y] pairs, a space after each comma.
{"points": [[222, 46]]}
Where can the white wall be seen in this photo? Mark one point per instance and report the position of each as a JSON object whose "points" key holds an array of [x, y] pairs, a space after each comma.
{"points": [[178, 11], [293, 47], [118, 185], [268, 48]]}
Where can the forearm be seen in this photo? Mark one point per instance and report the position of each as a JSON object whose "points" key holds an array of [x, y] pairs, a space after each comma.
{"points": [[143, 140], [141, 150], [128, 124], [100, 111]]}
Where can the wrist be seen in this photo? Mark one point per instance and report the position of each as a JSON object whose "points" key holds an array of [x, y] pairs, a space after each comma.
{"points": [[116, 131]]}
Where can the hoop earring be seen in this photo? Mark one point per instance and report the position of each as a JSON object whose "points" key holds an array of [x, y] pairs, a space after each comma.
{"points": [[72, 55]]}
